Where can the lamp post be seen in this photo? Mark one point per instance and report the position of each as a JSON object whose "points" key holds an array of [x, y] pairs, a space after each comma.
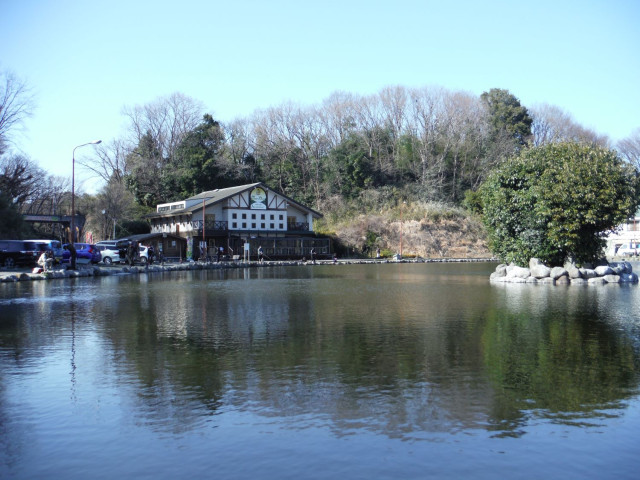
{"points": [[73, 189]]}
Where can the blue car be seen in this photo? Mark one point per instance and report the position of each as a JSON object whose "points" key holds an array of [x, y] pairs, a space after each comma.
{"points": [[85, 253]]}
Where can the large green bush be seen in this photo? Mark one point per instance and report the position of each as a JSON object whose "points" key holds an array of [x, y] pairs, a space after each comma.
{"points": [[557, 202]]}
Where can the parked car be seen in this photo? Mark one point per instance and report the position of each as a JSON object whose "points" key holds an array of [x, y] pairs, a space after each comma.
{"points": [[85, 253], [627, 250], [19, 253], [141, 257], [110, 252]]}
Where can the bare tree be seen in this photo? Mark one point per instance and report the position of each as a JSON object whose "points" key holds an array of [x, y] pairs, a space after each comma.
{"points": [[112, 204], [629, 148], [156, 131], [551, 125], [16, 104], [167, 120], [111, 164], [337, 115]]}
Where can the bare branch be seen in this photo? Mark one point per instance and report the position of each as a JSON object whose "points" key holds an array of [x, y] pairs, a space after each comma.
{"points": [[16, 104]]}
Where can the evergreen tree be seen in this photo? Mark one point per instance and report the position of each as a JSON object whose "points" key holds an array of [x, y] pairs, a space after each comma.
{"points": [[557, 202]]}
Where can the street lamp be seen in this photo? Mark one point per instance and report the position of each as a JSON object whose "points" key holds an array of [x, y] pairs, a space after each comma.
{"points": [[73, 188]]}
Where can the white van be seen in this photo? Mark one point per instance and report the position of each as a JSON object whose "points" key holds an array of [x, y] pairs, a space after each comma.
{"points": [[627, 250]]}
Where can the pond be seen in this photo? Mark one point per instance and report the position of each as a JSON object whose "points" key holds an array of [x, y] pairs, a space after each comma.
{"points": [[330, 371]]}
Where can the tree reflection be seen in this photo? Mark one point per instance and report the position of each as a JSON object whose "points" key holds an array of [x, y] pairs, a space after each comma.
{"points": [[401, 355], [560, 360]]}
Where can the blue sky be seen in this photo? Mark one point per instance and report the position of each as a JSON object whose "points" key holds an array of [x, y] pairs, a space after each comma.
{"points": [[86, 60]]}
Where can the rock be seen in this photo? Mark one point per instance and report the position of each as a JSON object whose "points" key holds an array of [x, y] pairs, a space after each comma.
{"points": [[617, 268], [628, 278], [563, 280], [573, 271], [588, 273], [531, 280], [578, 281], [547, 281], [518, 272], [516, 279], [596, 281], [540, 271], [603, 270], [612, 278], [534, 262], [501, 271], [557, 272]]}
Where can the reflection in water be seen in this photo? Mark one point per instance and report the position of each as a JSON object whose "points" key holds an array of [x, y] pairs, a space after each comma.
{"points": [[556, 354], [409, 352]]}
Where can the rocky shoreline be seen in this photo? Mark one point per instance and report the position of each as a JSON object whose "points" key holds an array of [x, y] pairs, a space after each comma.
{"points": [[99, 271], [615, 272]]}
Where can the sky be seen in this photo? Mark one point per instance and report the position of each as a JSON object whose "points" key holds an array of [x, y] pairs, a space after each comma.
{"points": [[87, 60]]}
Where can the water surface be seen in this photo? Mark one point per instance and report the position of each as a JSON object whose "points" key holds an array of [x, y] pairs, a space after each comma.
{"points": [[349, 371]]}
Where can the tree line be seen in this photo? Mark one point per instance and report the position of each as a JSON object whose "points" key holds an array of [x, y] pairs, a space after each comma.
{"points": [[401, 143]]}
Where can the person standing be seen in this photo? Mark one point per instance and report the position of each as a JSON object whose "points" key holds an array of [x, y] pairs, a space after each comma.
{"points": [[74, 254], [313, 255], [260, 254]]}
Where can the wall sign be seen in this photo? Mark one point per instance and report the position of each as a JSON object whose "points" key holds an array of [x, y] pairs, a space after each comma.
{"points": [[258, 199]]}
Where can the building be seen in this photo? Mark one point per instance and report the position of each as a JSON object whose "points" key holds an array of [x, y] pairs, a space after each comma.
{"points": [[627, 234], [241, 219]]}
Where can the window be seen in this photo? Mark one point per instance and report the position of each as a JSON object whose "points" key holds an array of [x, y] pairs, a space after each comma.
{"points": [[234, 224], [244, 216], [262, 225], [253, 216], [234, 215], [244, 224], [253, 225], [272, 226], [281, 217], [262, 216], [271, 217], [281, 226]]}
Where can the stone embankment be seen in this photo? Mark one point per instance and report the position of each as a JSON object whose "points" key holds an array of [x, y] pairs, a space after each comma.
{"points": [[99, 271], [617, 272]]}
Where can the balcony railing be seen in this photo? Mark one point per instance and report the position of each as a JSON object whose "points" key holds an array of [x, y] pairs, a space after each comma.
{"points": [[298, 227], [223, 226], [210, 226]]}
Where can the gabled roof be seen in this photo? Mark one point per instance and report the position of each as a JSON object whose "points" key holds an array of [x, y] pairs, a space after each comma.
{"points": [[214, 196], [218, 194]]}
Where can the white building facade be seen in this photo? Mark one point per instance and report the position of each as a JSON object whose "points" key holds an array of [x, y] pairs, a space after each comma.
{"points": [[234, 217]]}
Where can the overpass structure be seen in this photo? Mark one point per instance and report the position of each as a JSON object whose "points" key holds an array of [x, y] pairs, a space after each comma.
{"points": [[64, 220]]}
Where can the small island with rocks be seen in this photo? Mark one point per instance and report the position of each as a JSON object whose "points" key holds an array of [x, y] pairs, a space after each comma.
{"points": [[538, 272]]}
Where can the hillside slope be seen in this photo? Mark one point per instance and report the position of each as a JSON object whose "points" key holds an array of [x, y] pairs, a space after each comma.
{"points": [[424, 230]]}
